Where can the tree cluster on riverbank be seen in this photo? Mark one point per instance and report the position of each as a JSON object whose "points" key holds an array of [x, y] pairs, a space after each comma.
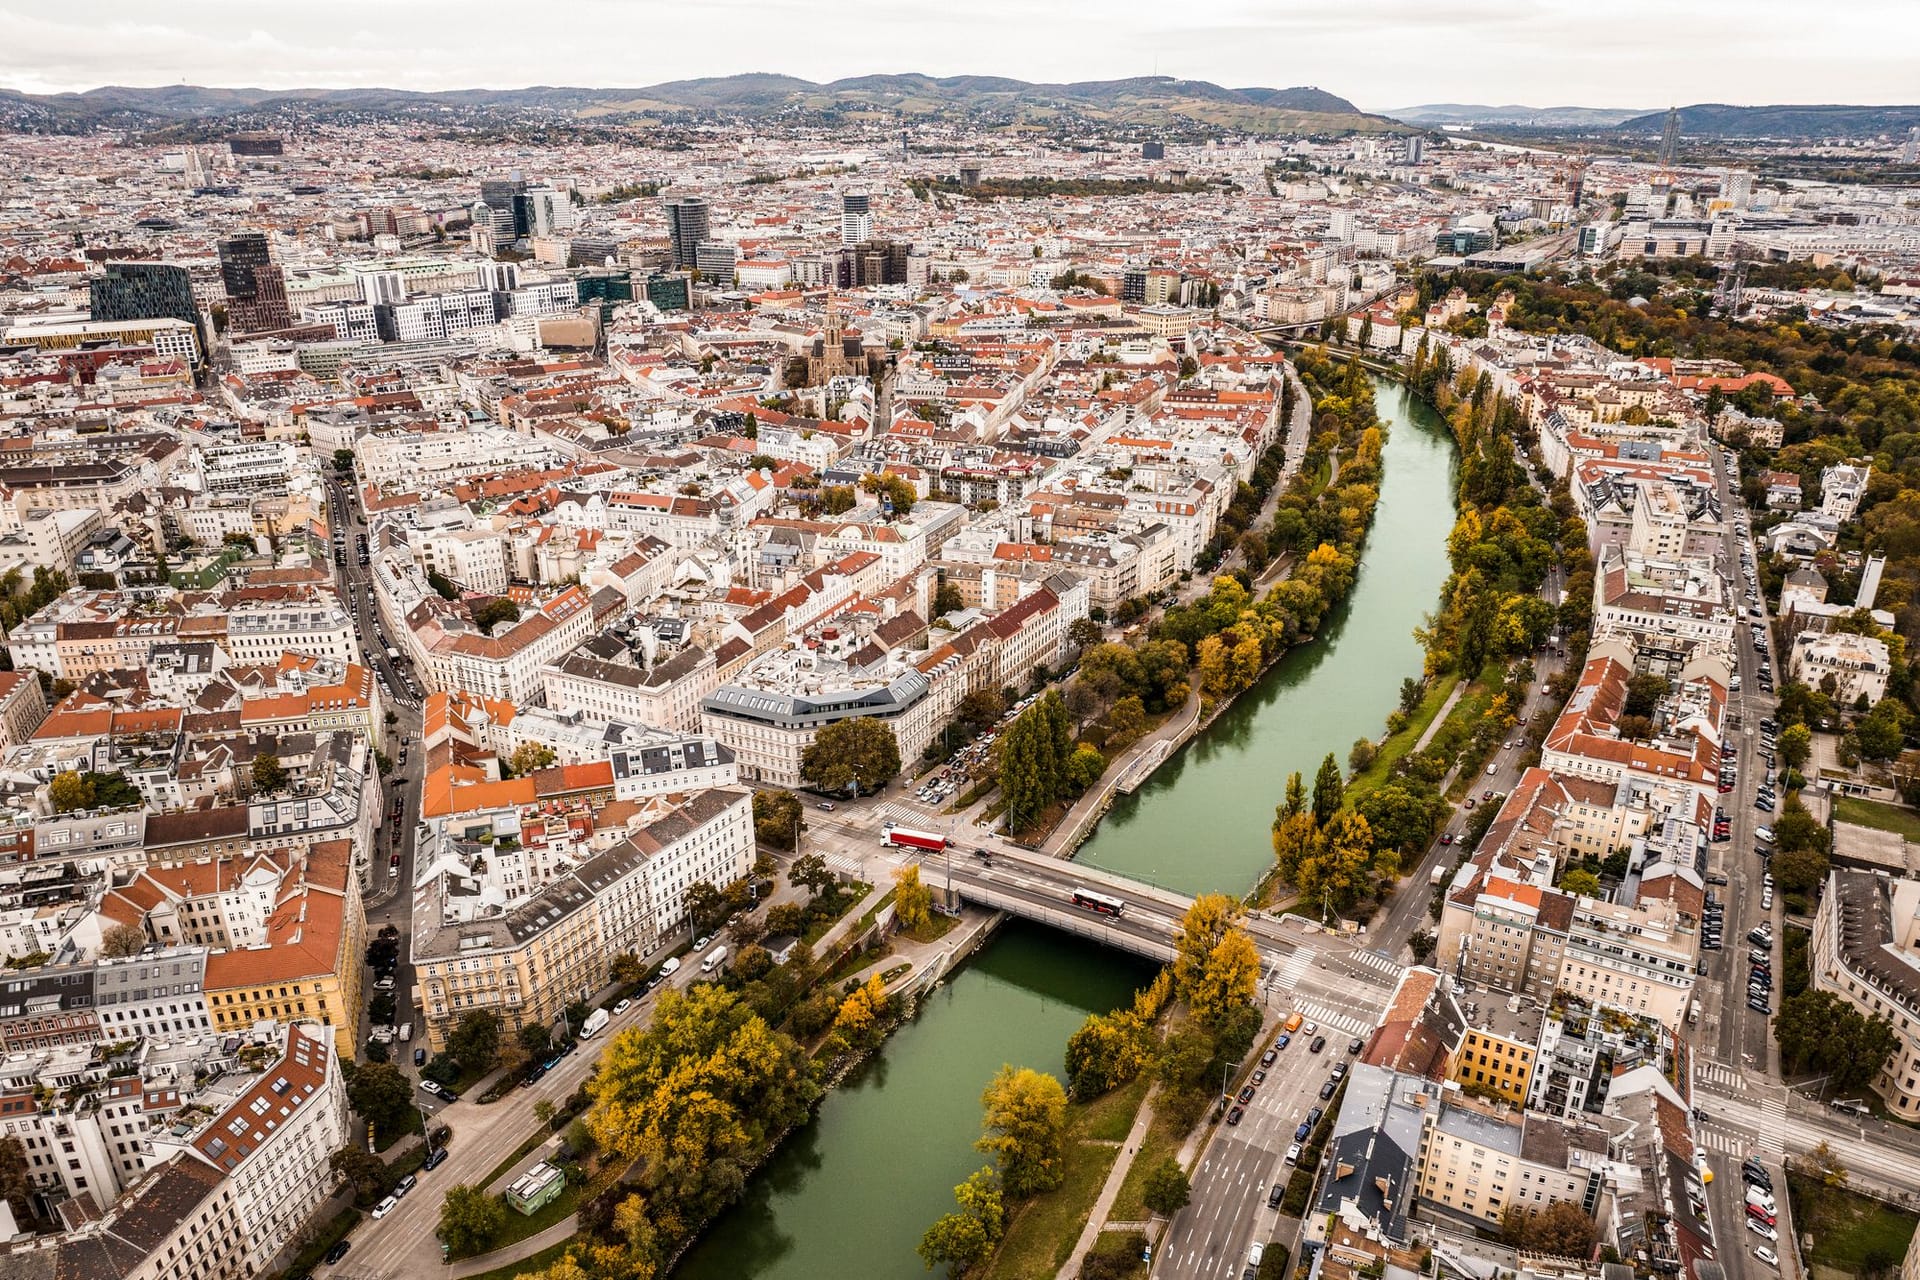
{"points": [[1029, 1117]]}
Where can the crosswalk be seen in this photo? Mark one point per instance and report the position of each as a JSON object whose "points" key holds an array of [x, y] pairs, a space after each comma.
{"points": [[1374, 960], [902, 816], [1288, 971], [1773, 1127], [1333, 1018], [1727, 1144], [1716, 1073]]}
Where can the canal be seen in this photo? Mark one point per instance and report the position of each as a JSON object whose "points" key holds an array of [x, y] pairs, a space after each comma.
{"points": [[851, 1194], [1203, 822]]}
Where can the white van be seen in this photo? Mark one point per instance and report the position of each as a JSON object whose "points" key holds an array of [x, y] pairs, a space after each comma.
{"points": [[1254, 1254], [1763, 834]]}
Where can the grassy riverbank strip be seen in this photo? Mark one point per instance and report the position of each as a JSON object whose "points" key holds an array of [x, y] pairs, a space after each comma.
{"points": [[1042, 1231]]}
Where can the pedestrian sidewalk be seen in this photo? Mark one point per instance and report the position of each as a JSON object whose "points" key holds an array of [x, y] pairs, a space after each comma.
{"points": [[519, 1251], [1116, 1178]]}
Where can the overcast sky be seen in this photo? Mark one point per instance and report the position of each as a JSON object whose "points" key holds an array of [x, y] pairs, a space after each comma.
{"points": [[1387, 53]]}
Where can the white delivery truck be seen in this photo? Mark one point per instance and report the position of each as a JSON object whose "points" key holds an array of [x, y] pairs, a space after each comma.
{"points": [[671, 967], [714, 959], [595, 1020]]}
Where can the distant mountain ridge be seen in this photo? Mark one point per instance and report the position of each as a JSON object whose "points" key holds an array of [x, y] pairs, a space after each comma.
{"points": [[1719, 120], [1141, 101], [1469, 113], [1702, 120]]}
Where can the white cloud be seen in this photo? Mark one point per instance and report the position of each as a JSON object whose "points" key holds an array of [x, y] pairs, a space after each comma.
{"points": [[1391, 53]]}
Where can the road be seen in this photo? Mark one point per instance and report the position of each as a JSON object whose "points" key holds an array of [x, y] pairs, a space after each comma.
{"points": [[403, 1243], [1734, 1043], [387, 884]]}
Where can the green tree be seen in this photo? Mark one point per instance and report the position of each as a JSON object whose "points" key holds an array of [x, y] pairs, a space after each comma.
{"points": [[530, 757], [70, 790], [776, 818], [474, 1041], [1819, 1032], [360, 1169], [811, 872], [1796, 829], [343, 459], [1882, 733], [1034, 761], [382, 1095], [1328, 791], [1578, 880], [1796, 745], [1084, 768], [490, 613], [470, 1219], [946, 599], [442, 585], [706, 906], [1167, 1190], [1800, 870], [536, 1038], [861, 752], [1411, 692], [1025, 1130]]}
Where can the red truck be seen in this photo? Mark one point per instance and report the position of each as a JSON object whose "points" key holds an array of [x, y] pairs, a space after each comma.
{"points": [[902, 836]]}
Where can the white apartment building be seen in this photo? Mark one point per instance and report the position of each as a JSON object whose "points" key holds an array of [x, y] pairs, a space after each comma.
{"points": [[253, 469], [415, 457], [273, 1144], [601, 680], [157, 995], [707, 837], [508, 665], [472, 558], [1859, 665], [1866, 950], [258, 634]]}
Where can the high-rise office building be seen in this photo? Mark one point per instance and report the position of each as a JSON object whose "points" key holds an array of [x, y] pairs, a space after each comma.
{"points": [[1416, 148], [687, 226], [256, 287], [1153, 151], [715, 260], [505, 197], [856, 217], [142, 291], [1736, 187]]}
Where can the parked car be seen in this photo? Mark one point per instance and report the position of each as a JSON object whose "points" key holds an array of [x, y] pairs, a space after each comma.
{"points": [[1293, 1153], [1319, 1043], [1233, 1116]]}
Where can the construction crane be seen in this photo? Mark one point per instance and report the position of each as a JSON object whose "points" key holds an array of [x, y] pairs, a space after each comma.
{"points": [[1729, 295]]}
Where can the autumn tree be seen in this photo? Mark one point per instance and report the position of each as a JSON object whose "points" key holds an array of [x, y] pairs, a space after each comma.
{"points": [[1025, 1130], [360, 1169], [965, 1238], [1216, 966], [862, 1016], [530, 757], [70, 790], [16, 1183], [912, 901], [859, 753], [121, 941]]}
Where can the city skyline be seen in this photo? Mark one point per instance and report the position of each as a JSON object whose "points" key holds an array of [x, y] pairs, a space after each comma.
{"points": [[1396, 56]]}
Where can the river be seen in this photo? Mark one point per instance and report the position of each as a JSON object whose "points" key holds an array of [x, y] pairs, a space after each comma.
{"points": [[1203, 822], [851, 1194]]}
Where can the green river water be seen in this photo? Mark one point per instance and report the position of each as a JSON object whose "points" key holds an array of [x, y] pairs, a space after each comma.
{"points": [[850, 1195]]}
